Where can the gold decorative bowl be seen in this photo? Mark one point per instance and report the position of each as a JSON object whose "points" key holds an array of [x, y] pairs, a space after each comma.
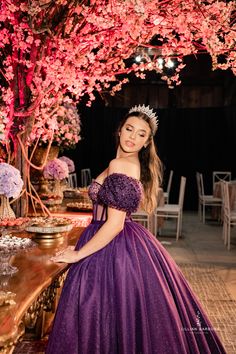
{"points": [[49, 229]]}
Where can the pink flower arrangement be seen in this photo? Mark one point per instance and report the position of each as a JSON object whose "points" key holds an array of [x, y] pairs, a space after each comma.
{"points": [[67, 135], [63, 123], [56, 169], [69, 162], [11, 182]]}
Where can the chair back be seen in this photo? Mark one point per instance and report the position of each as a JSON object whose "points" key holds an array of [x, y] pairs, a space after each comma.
{"points": [[169, 181], [182, 191], [221, 176], [225, 197], [72, 180], [85, 177], [200, 185]]}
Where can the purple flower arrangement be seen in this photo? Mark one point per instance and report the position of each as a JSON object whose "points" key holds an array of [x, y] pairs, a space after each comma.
{"points": [[11, 183], [70, 163], [56, 169]]}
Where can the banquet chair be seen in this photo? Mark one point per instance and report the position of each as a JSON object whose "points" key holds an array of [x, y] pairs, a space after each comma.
{"points": [[205, 200], [142, 217], [86, 177], [173, 210], [219, 176], [167, 192], [229, 217], [72, 180]]}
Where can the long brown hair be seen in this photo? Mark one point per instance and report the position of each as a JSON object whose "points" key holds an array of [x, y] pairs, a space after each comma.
{"points": [[151, 166]]}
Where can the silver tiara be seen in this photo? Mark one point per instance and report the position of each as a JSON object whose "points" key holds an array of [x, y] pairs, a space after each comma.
{"points": [[149, 112]]}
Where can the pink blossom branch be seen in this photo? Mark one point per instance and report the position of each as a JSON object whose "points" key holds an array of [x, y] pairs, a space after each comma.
{"points": [[105, 36], [22, 192], [38, 200], [26, 157], [4, 75]]}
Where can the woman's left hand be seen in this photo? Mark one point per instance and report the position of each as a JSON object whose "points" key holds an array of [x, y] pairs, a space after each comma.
{"points": [[66, 256]]}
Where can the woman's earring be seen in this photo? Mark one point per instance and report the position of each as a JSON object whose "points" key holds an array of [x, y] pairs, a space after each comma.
{"points": [[145, 146]]}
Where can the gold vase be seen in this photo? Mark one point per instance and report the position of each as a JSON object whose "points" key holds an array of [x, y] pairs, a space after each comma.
{"points": [[43, 186], [5, 208], [58, 190], [40, 154], [39, 157]]}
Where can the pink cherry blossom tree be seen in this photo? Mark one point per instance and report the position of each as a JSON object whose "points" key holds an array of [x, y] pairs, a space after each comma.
{"points": [[52, 48]]}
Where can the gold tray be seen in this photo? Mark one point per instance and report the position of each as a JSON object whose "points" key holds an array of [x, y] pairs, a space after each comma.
{"points": [[45, 237], [49, 229]]}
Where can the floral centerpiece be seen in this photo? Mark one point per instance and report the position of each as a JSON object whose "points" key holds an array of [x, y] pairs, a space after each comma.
{"points": [[56, 170], [10, 181], [11, 185], [69, 162]]}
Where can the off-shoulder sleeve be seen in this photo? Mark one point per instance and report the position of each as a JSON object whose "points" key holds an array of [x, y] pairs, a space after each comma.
{"points": [[121, 192]]}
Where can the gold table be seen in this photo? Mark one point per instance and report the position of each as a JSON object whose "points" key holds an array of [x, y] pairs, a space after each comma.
{"points": [[37, 286]]}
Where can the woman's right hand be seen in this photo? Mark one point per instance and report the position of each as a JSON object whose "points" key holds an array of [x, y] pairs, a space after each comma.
{"points": [[69, 255]]}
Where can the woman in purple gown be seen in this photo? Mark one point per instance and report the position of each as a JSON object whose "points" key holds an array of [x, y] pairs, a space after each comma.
{"points": [[124, 294]]}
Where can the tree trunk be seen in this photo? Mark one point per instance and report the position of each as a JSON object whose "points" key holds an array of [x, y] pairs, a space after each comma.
{"points": [[21, 205]]}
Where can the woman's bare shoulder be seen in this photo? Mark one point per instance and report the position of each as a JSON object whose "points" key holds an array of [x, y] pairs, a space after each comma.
{"points": [[124, 166]]}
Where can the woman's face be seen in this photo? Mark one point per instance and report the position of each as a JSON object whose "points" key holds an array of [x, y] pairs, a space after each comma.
{"points": [[134, 134]]}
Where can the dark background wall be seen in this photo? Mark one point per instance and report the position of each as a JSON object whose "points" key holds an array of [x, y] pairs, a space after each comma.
{"points": [[197, 125]]}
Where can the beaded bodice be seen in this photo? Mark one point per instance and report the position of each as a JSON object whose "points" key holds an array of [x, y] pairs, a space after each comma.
{"points": [[118, 191]]}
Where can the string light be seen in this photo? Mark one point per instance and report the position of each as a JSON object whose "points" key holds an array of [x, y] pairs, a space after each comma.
{"points": [[138, 58], [149, 54], [170, 64], [160, 62]]}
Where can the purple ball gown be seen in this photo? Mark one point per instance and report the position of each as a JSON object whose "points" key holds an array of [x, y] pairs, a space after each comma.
{"points": [[130, 297]]}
